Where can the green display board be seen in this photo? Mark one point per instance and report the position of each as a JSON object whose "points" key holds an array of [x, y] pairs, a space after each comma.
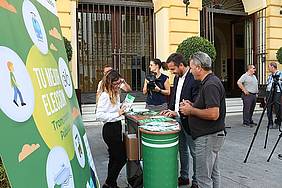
{"points": [[43, 142]]}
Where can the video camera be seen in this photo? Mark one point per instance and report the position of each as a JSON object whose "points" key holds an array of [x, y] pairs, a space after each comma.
{"points": [[276, 77], [152, 81]]}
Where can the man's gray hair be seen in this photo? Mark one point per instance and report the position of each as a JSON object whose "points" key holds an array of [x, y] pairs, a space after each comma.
{"points": [[202, 59]]}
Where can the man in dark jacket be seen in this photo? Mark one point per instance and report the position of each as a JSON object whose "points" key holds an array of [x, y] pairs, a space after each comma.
{"points": [[184, 88]]}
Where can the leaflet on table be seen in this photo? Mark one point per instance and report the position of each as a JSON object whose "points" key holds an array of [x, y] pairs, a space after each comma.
{"points": [[128, 101], [160, 126]]}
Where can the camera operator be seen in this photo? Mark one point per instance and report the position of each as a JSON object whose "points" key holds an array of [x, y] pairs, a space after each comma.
{"points": [[275, 76], [156, 86]]}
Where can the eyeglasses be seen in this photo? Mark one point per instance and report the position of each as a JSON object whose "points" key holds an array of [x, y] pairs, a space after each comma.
{"points": [[116, 83]]}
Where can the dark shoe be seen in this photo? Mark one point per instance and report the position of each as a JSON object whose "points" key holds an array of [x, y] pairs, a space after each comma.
{"points": [[15, 102], [182, 181], [246, 125], [271, 126], [194, 185], [23, 104], [253, 123]]}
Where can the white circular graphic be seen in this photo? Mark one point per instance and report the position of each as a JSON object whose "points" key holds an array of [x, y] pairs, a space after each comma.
{"points": [[58, 169], [78, 147], [17, 96], [65, 77], [34, 26]]}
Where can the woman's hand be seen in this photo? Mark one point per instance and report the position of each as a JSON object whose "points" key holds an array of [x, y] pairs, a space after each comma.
{"points": [[122, 110], [157, 89]]}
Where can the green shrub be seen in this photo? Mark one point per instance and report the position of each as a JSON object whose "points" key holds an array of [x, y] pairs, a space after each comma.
{"points": [[68, 48], [279, 55], [194, 44]]}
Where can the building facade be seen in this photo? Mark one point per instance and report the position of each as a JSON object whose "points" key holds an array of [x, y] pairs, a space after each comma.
{"points": [[128, 33]]}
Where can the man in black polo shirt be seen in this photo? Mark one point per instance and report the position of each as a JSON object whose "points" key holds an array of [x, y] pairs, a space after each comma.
{"points": [[206, 120]]}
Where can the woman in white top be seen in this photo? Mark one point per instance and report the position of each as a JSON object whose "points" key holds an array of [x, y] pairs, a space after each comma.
{"points": [[110, 113]]}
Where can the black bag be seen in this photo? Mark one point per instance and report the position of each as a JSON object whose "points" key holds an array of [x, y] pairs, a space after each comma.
{"points": [[134, 174]]}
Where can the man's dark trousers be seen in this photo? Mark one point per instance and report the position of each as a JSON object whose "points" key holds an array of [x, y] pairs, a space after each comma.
{"points": [[249, 104], [275, 101]]}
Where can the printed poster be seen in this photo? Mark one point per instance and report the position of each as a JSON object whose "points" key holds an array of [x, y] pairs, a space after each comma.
{"points": [[43, 142]]}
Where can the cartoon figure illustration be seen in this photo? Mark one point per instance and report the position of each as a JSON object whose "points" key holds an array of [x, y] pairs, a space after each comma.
{"points": [[78, 145], [36, 27], [66, 79], [63, 176], [14, 84]]}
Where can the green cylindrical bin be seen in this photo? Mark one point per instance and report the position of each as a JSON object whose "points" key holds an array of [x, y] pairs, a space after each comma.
{"points": [[159, 151]]}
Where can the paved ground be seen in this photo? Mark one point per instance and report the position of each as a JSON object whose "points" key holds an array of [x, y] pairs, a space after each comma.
{"points": [[256, 173]]}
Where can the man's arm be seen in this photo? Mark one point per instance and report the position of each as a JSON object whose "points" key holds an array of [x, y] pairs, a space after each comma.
{"points": [[211, 113], [241, 86]]}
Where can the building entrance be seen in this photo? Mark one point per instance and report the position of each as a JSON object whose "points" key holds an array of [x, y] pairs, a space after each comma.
{"points": [[238, 38], [115, 33]]}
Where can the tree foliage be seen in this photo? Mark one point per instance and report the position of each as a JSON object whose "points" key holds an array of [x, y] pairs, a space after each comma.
{"points": [[68, 48], [194, 44], [279, 55]]}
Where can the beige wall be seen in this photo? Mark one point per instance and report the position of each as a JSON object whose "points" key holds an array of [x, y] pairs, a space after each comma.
{"points": [[173, 26], [252, 6], [273, 29], [67, 17]]}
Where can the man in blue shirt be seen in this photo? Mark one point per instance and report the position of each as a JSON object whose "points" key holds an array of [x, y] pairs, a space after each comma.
{"points": [[275, 76]]}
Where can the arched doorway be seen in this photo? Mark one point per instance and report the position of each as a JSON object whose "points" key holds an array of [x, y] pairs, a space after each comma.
{"points": [[239, 39]]}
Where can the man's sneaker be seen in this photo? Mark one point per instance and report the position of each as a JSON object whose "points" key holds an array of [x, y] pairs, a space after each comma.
{"points": [[182, 181], [246, 125], [253, 123], [271, 126]]}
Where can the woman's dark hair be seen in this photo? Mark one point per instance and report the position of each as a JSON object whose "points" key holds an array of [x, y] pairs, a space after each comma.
{"points": [[157, 62], [111, 77]]}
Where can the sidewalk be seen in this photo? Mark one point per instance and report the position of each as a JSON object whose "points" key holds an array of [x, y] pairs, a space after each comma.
{"points": [[256, 173]]}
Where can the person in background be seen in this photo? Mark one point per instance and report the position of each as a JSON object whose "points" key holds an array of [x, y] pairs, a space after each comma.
{"points": [[276, 98], [124, 85], [206, 118], [156, 89], [110, 113], [248, 83], [185, 88]]}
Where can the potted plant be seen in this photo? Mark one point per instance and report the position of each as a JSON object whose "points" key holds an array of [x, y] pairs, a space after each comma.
{"points": [[279, 55], [194, 44]]}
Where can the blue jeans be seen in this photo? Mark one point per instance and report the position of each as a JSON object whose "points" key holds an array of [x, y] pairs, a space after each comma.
{"points": [[16, 93], [207, 151], [185, 141]]}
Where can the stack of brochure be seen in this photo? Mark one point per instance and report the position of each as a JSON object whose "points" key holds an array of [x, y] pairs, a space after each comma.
{"points": [[161, 126]]}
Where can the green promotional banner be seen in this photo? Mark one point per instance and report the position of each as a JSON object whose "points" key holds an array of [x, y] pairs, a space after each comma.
{"points": [[43, 142]]}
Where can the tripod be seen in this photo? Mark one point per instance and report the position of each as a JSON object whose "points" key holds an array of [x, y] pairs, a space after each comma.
{"points": [[269, 102]]}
